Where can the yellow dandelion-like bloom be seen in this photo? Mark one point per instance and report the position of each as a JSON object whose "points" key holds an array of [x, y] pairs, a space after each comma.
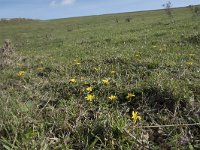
{"points": [[135, 117], [189, 63], [90, 97], [130, 95], [72, 81], [96, 69], [40, 69], [191, 54], [89, 89], [21, 73], [105, 82], [113, 72], [112, 98], [77, 62]]}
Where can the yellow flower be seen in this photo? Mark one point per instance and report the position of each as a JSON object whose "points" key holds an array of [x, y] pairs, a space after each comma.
{"points": [[135, 117], [90, 97], [113, 98], [105, 82], [113, 72], [130, 95], [72, 81], [89, 89], [40, 69], [96, 69], [191, 54], [77, 62], [21, 73], [189, 63]]}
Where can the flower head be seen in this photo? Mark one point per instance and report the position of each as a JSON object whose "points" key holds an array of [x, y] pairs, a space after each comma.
{"points": [[191, 54], [135, 116], [189, 63], [130, 95], [21, 73], [96, 69], [78, 63], [113, 72], [89, 89], [72, 81], [112, 98], [105, 82], [90, 97], [40, 69]]}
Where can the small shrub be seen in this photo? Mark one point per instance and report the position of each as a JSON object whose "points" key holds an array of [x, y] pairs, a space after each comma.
{"points": [[195, 10], [168, 10], [128, 19], [6, 54]]}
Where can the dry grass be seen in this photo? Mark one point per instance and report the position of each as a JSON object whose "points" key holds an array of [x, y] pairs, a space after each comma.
{"points": [[7, 55]]}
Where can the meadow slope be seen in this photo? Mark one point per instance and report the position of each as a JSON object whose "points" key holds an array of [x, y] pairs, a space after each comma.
{"points": [[118, 81]]}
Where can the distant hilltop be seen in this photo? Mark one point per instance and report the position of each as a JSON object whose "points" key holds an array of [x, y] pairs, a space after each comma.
{"points": [[15, 19]]}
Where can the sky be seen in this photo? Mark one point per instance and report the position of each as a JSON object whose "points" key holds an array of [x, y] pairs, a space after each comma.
{"points": [[51, 9]]}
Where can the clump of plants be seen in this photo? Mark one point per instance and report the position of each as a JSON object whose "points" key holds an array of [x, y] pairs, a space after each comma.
{"points": [[128, 19], [168, 10], [7, 54], [195, 10]]}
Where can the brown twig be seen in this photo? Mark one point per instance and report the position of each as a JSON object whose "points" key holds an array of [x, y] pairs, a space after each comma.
{"points": [[170, 125]]}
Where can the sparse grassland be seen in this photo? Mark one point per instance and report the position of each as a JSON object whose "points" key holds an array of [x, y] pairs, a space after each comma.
{"points": [[97, 83]]}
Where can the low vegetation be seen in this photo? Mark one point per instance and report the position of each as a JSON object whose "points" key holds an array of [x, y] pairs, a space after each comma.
{"points": [[123, 81]]}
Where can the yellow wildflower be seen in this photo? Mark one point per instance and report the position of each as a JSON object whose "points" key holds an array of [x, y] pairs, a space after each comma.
{"points": [[96, 69], [130, 95], [77, 62], [105, 82], [189, 63], [40, 69], [21, 73], [90, 97], [72, 81], [112, 98], [113, 72], [135, 117], [191, 54], [89, 89]]}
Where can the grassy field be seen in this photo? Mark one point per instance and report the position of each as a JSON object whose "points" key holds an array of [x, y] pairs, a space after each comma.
{"points": [[119, 81]]}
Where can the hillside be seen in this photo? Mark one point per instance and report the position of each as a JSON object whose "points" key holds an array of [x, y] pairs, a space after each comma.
{"points": [[117, 81]]}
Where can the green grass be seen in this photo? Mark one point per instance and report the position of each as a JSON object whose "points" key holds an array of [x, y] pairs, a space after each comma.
{"points": [[149, 56]]}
